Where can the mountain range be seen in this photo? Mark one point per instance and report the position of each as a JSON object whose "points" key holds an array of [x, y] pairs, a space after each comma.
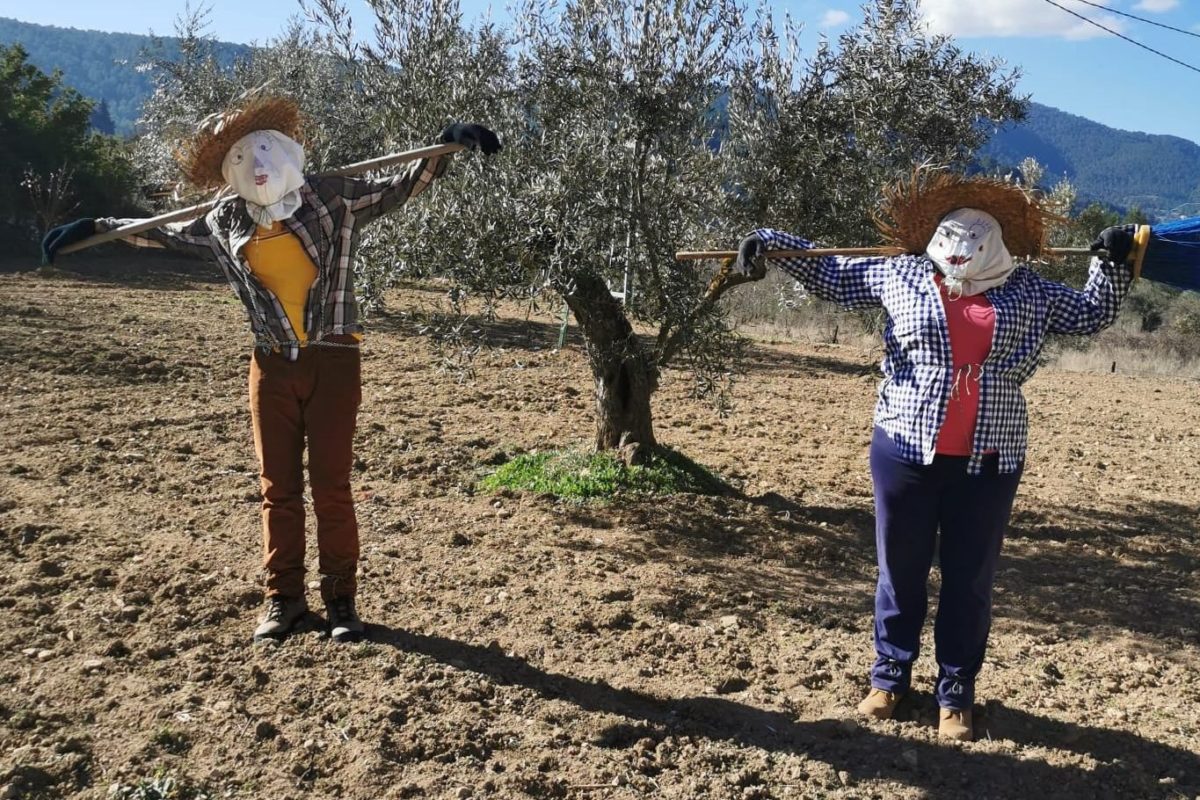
{"points": [[1123, 169]]}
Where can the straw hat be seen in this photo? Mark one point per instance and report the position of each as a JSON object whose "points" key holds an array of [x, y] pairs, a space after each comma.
{"points": [[911, 210], [202, 156]]}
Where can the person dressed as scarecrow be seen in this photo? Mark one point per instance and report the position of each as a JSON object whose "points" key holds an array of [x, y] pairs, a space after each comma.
{"points": [[965, 327], [287, 243]]}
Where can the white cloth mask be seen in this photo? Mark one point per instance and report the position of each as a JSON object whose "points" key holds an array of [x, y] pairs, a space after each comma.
{"points": [[969, 250], [266, 169]]}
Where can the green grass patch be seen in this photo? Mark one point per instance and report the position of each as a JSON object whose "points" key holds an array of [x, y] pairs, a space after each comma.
{"points": [[581, 475]]}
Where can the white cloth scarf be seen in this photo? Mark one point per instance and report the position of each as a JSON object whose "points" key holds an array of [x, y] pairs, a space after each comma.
{"points": [[266, 169], [969, 250]]}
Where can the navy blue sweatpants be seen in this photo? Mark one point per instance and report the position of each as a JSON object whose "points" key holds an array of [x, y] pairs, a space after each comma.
{"points": [[913, 503]]}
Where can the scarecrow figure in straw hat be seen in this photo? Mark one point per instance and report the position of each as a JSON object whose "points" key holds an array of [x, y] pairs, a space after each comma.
{"points": [[965, 327], [286, 243]]}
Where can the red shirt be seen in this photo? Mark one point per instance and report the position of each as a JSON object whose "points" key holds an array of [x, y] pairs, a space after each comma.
{"points": [[971, 322]]}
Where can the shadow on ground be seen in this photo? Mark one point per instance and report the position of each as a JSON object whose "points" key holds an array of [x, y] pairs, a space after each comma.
{"points": [[1073, 573], [864, 753]]}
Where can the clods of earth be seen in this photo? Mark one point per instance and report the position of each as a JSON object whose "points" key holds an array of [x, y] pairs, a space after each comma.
{"points": [[520, 646]]}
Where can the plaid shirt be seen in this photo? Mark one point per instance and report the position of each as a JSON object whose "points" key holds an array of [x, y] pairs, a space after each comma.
{"points": [[917, 365], [327, 222]]}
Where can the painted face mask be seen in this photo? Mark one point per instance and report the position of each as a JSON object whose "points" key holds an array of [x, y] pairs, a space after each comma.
{"points": [[266, 169], [969, 250]]}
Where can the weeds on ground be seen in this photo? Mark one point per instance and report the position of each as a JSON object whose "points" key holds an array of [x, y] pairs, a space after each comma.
{"points": [[580, 475], [160, 786], [171, 740]]}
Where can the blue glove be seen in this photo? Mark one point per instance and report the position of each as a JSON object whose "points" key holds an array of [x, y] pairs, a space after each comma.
{"points": [[1117, 240], [472, 137], [64, 235], [751, 258]]}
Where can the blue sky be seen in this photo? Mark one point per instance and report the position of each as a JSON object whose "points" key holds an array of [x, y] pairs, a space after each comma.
{"points": [[1066, 63]]}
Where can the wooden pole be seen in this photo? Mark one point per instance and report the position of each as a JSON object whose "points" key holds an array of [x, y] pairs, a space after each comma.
{"points": [[702, 255], [192, 212], [383, 162]]}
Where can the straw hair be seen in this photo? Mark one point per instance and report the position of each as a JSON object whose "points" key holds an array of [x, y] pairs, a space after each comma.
{"points": [[202, 156], [911, 210]]}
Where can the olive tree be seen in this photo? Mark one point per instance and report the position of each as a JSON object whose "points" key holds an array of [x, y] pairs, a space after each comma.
{"points": [[656, 127], [624, 108], [610, 116]]}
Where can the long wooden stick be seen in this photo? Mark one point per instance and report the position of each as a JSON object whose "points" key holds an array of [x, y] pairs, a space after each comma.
{"points": [[702, 255], [191, 212], [359, 167]]}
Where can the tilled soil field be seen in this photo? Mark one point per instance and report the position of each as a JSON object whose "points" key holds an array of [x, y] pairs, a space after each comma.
{"points": [[692, 647]]}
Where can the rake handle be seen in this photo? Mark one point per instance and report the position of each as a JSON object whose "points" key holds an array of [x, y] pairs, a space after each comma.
{"points": [[703, 255], [192, 212]]}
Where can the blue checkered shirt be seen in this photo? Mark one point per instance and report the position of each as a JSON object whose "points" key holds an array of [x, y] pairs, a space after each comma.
{"points": [[918, 368], [332, 209]]}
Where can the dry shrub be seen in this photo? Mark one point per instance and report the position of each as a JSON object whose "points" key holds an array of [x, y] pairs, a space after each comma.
{"points": [[1164, 351], [774, 308]]}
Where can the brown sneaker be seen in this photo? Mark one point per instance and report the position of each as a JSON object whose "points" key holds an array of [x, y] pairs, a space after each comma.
{"points": [[879, 704], [955, 724], [281, 617]]}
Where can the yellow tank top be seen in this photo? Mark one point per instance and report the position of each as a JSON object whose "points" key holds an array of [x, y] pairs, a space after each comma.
{"points": [[278, 259]]}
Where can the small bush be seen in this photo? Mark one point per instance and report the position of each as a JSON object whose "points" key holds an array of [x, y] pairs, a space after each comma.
{"points": [[1147, 303], [1184, 314]]}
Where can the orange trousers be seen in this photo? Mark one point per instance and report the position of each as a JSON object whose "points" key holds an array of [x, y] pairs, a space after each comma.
{"points": [[314, 398]]}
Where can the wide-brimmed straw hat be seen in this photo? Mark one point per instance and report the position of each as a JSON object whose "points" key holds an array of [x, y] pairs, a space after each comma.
{"points": [[912, 208], [201, 157]]}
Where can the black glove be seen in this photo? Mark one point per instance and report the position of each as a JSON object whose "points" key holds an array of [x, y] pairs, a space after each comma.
{"points": [[64, 235], [1117, 240], [751, 259], [472, 137]]}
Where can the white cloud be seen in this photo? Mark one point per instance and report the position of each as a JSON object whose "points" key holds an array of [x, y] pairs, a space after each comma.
{"points": [[1016, 18], [834, 18], [1157, 6]]}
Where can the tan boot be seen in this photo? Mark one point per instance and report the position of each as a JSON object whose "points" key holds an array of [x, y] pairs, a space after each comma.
{"points": [[955, 724], [879, 704]]}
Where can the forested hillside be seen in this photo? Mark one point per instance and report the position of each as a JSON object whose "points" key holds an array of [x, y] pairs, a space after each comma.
{"points": [[1123, 168], [102, 66]]}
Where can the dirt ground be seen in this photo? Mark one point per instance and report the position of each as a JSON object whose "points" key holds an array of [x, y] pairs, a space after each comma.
{"points": [[694, 647]]}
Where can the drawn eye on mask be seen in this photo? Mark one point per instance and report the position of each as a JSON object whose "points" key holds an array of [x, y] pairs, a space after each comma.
{"points": [[978, 232]]}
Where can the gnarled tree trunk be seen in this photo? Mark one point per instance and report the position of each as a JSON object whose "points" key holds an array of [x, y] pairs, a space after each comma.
{"points": [[626, 376]]}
